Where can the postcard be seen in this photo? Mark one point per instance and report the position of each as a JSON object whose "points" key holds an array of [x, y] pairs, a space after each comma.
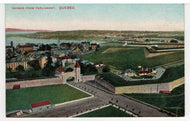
{"points": [[94, 60]]}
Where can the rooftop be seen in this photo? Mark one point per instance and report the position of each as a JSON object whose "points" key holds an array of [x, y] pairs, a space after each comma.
{"points": [[38, 104]]}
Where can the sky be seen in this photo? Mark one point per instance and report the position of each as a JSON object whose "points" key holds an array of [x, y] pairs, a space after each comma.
{"points": [[149, 17]]}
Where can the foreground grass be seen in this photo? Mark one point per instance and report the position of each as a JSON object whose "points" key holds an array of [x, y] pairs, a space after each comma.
{"points": [[173, 102], [106, 112], [22, 98], [131, 58]]}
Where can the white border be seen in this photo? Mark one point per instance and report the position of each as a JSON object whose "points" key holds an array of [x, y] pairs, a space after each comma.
{"points": [[2, 62], [187, 56], [95, 1]]}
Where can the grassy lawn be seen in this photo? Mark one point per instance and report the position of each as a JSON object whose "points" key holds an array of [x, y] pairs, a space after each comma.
{"points": [[106, 112], [168, 102], [171, 74], [22, 98], [131, 58]]}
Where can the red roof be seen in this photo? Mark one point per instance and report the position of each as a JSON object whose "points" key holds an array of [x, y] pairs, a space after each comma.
{"points": [[93, 44], [24, 46], [98, 63], [144, 71], [38, 104], [64, 45], [16, 86], [60, 69], [164, 91], [64, 57], [83, 42], [9, 47], [80, 61]]}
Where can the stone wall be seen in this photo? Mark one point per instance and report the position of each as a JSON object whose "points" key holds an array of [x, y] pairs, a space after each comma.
{"points": [[35, 83], [150, 88], [171, 46], [88, 78], [146, 88], [105, 84], [149, 55]]}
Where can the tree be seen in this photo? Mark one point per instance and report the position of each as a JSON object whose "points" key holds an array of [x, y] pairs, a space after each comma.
{"points": [[48, 70], [34, 64], [69, 70], [45, 47], [20, 68], [10, 69], [88, 69], [106, 69], [58, 64], [173, 41]]}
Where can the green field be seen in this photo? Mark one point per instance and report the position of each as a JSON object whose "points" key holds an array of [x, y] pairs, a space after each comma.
{"points": [[171, 74], [170, 102], [122, 60], [22, 98], [106, 112]]}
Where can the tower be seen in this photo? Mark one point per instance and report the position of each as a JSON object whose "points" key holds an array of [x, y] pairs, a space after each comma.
{"points": [[77, 73], [11, 43], [58, 41]]}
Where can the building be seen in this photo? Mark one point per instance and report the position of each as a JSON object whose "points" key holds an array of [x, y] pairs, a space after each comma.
{"points": [[9, 48], [25, 48], [42, 61], [41, 105], [77, 73], [60, 70], [130, 73], [14, 65], [94, 46], [98, 64]]}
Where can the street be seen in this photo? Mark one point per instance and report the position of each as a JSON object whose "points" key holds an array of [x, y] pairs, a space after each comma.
{"points": [[101, 98]]}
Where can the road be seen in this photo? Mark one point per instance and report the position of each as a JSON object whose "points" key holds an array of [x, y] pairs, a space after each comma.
{"points": [[101, 98]]}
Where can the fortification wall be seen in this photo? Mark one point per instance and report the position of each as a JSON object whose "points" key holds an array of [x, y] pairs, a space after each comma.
{"points": [[177, 83], [35, 83], [105, 84], [88, 78], [150, 88], [147, 88], [171, 46], [149, 55]]}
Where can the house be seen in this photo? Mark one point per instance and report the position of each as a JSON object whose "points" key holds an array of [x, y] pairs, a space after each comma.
{"points": [[60, 70], [66, 58], [139, 66], [9, 48], [14, 65], [144, 72], [130, 73], [41, 105], [35, 47], [42, 61], [94, 46], [98, 64], [83, 43], [16, 86], [25, 48], [77, 49]]}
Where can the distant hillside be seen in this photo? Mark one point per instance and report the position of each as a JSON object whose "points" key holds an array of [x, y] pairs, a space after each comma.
{"points": [[99, 34], [24, 30]]}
